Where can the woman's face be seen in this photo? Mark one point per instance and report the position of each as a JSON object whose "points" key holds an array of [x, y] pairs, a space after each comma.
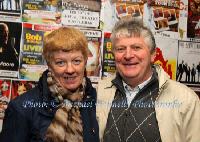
{"points": [[68, 68]]}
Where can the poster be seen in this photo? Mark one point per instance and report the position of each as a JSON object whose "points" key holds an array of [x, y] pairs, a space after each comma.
{"points": [[32, 63], [81, 13], [112, 11], [21, 86], [188, 66], [93, 62], [193, 22], [10, 10], [10, 36], [166, 55], [108, 63], [161, 16], [42, 12], [4, 95]]}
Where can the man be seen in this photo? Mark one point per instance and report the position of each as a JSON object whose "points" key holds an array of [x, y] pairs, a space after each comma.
{"points": [[193, 73], [180, 71], [8, 54], [198, 70], [4, 33], [148, 16], [187, 72], [141, 103]]}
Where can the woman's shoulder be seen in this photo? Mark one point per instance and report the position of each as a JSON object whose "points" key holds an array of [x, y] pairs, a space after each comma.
{"points": [[21, 102]]}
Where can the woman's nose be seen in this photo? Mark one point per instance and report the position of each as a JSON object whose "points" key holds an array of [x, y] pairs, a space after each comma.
{"points": [[70, 68]]}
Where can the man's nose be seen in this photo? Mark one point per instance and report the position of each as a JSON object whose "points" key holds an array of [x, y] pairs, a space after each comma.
{"points": [[128, 53]]}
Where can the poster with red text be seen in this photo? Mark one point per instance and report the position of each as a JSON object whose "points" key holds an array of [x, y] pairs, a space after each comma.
{"points": [[166, 55]]}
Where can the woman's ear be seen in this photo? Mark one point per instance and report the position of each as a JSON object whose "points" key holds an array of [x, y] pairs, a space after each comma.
{"points": [[86, 61], [49, 66]]}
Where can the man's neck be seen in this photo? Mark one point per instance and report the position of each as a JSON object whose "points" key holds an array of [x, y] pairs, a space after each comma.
{"points": [[137, 80]]}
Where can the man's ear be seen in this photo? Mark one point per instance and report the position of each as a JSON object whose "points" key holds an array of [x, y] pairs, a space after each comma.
{"points": [[153, 55]]}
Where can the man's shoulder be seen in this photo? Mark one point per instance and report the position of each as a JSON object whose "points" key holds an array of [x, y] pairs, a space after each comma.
{"points": [[106, 81], [179, 90]]}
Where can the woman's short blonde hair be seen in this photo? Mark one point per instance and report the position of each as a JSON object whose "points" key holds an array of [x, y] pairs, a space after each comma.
{"points": [[65, 39]]}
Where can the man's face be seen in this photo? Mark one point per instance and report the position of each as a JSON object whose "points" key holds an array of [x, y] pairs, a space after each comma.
{"points": [[133, 59], [149, 2], [5, 34]]}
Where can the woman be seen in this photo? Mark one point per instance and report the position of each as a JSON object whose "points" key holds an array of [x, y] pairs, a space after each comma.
{"points": [[62, 107]]}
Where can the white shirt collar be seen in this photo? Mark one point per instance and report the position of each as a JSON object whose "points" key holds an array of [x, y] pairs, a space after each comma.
{"points": [[131, 92], [140, 86]]}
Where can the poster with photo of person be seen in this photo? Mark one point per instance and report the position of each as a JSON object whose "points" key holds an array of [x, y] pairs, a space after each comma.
{"points": [[5, 86], [94, 57], [116, 10], [10, 36], [166, 16], [18, 87], [193, 22], [10, 10], [161, 16], [188, 66]]}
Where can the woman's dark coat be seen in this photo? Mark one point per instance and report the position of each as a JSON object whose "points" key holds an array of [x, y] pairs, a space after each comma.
{"points": [[29, 115]]}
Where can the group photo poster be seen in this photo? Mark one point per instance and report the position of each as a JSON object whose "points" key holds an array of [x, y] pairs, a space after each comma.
{"points": [[188, 69]]}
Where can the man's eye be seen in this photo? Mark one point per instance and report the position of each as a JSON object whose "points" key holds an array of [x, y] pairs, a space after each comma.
{"points": [[76, 62], [120, 49], [136, 47]]}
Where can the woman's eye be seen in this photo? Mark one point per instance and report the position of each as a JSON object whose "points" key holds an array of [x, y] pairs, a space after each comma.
{"points": [[60, 63], [76, 62]]}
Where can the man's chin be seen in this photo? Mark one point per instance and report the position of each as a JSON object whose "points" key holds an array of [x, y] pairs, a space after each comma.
{"points": [[129, 76]]}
